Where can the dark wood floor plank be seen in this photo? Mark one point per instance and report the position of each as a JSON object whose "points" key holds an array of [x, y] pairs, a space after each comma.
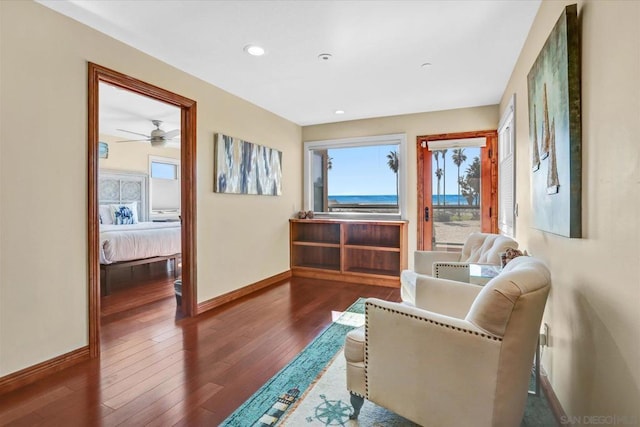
{"points": [[145, 294], [198, 417], [113, 394], [158, 368], [186, 406], [142, 355], [29, 420], [81, 409], [26, 407]]}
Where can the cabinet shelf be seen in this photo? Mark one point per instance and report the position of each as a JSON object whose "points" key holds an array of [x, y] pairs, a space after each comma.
{"points": [[319, 266], [372, 248], [316, 232], [318, 244], [372, 271], [369, 252]]}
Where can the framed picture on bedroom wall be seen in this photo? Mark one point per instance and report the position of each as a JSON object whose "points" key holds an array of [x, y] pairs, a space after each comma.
{"points": [[103, 150], [242, 167], [555, 132]]}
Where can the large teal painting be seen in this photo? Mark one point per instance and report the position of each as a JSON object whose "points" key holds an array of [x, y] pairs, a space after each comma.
{"points": [[554, 130]]}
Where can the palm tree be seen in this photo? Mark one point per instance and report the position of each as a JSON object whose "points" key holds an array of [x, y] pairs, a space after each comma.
{"points": [[439, 176], [392, 161], [444, 176], [458, 159], [436, 155], [470, 186]]}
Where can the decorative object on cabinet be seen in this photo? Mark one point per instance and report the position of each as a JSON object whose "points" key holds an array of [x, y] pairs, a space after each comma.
{"points": [[242, 167], [554, 130]]}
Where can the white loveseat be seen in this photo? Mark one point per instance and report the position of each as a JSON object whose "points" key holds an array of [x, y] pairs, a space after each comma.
{"points": [[480, 248]]}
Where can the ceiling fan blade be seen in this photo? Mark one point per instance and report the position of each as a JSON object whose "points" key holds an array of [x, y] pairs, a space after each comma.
{"points": [[135, 140], [172, 134], [135, 133]]}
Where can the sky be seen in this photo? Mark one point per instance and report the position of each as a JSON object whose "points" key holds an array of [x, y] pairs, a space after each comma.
{"points": [[364, 171], [361, 171]]}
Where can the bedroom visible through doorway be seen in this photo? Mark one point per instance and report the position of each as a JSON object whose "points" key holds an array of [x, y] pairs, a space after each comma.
{"points": [[141, 199], [138, 201]]}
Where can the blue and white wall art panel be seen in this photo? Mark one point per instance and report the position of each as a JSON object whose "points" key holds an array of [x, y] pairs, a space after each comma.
{"points": [[242, 167]]}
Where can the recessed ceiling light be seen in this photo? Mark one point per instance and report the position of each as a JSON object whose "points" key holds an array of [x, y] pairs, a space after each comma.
{"points": [[254, 50], [339, 111], [426, 65], [324, 56]]}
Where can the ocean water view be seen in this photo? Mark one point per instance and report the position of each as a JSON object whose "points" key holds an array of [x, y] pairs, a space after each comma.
{"points": [[391, 199]]}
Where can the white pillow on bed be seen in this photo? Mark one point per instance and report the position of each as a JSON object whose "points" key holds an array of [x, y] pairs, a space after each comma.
{"points": [[125, 213], [105, 214]]}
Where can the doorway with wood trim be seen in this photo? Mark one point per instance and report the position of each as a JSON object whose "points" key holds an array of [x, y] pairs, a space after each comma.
{"points": [[457, 188], [187, 109]]}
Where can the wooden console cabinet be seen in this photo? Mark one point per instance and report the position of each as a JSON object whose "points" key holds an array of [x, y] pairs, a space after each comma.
{"points": [[368, 252]]}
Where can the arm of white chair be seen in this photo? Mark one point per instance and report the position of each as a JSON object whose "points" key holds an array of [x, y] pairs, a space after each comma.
{"points": [[458, 271], [419, 363], [423, 260], [446, 297]]}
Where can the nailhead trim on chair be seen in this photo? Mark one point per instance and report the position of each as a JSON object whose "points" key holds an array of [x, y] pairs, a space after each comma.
{"points": [[366, 341], [442, 264]]}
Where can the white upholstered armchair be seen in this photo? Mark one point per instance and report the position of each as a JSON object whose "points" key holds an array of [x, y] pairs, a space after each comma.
{"points": [[481, 248], [462, 359]]}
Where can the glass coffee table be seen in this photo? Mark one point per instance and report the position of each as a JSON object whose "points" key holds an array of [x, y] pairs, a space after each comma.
{"points": [[480, 274]]}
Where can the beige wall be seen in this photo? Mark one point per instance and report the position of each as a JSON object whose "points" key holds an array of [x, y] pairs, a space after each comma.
{"points": [[413, 125], [43, 185], [133, 156], [594, 356]]}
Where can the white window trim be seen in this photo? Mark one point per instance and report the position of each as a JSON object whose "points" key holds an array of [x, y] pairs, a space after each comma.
{"points": [[507, 178], [159, 159], [400, 139]]}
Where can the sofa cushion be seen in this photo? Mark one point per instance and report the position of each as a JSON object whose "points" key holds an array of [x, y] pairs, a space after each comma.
{"points": [[492, 307], [354, 345]]}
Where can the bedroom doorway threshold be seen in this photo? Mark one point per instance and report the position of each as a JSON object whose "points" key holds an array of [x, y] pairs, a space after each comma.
{"points": [[97, 75]]}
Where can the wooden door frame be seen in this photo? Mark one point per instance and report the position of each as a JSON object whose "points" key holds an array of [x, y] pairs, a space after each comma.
{"points": [[187, 107], [489, 211]]}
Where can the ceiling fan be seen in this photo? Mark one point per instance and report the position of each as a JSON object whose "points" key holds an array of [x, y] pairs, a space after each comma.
{"points": [[158, 137]]}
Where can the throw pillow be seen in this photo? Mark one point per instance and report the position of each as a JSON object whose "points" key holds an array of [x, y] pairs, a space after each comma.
{"points": [[510, 254], [106, 216], [126, 213]]}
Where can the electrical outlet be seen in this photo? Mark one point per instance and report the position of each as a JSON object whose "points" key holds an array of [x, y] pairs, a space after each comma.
{"points": [[544, 335]]}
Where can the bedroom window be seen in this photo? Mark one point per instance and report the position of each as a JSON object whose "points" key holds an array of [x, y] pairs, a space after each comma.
{"points": [[164, 188], [163, 170], [356, 177]]}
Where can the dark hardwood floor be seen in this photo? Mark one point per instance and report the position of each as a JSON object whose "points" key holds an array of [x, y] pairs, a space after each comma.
{"points": [[159, 369]]}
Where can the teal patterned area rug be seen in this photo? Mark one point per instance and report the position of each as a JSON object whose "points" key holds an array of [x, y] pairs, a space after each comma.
{"points": [[311, 390]]}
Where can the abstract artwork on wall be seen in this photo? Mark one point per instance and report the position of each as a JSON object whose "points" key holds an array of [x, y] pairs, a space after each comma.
{"points": [[554, 130], [242, 167]]}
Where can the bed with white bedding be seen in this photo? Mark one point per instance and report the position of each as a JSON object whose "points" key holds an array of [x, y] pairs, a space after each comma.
{"points": [[128, 242], [126, 239]]}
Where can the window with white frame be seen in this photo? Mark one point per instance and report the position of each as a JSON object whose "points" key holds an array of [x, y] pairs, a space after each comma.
{"points": [[164, 187], [361, 177], [506, 171]]}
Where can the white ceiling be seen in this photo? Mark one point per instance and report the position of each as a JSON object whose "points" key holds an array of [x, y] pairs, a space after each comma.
{"points": [[122, 109], [377, 49]]}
